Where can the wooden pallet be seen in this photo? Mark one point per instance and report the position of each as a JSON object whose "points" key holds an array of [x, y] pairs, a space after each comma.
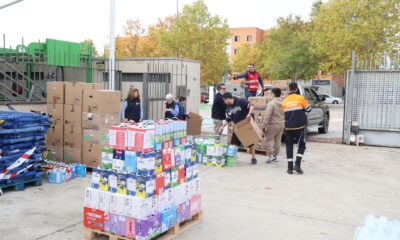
{"points": [[91, 234], [258, 151], [20, 185]]}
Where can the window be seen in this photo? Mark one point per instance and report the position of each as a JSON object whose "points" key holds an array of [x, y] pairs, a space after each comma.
{"points": [[237, 38], [249, 38], [236, 51]]}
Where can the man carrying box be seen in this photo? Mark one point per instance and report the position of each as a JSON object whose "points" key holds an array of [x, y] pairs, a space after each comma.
{"points": [[236, 111], [295, 107]]}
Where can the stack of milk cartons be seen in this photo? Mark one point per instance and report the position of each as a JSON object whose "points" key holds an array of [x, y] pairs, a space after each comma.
{"points": [[148, 181], [378, 228], [211, 152]]}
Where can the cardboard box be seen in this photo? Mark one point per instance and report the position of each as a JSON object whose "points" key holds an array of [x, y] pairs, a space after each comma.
{"points": [[72, 155], [183, 212], [92, 198], [99, 121], [93, 218], [195, 205], [149, 227], [114, 224], [55, 92], [130, 227], [99, 137], [101, 101], [140, 139], [259, 103], [117, 204], [248, 132], [73, 115], [194, 124], [74, 92], [140, 208], [55, 136], [181, 194], [91, 155], [165, 200], [72, 136], [117, 137], [57, 153], [104, 201], [57, 113], [168, 218]]}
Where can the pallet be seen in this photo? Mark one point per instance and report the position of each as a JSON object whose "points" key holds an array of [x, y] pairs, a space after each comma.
{"points": [[258, 151], [91, 234], [20, 185]]}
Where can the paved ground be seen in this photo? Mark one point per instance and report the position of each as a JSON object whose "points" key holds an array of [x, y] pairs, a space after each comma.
{"points": [[341, 185]]}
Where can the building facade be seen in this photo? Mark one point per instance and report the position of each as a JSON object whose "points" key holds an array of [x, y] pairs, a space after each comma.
{"points": [[248, 35]]}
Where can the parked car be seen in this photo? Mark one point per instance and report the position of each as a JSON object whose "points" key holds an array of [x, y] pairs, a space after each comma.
{"points": [[319, 115], [204, 98], [332, 100]]}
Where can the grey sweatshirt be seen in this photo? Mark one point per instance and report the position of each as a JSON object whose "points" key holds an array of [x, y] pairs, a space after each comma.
{"points": [[275, 114]]}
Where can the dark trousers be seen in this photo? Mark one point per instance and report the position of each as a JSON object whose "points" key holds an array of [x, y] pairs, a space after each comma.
{"points": [[292, 137]]}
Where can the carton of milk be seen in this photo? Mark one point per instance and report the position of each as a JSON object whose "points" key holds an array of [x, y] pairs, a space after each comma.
{"points": [[130, 163], [92, 198], [146, 164], [118, 160], [104, 201], [165, 200], [139, 208], [112, 181], [168, 218], [145, 186], [181, 194], [117, 137], [117, 204], [131, 184]]}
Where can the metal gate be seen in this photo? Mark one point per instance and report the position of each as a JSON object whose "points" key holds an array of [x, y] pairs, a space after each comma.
{"points": [[372, 109]]}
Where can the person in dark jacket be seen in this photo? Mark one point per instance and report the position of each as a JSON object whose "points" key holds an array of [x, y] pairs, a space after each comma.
{"points": [[182, 109], [295, 107], [218, 111], [131, 109], [172, 108], [237, 110], [252, 80]]}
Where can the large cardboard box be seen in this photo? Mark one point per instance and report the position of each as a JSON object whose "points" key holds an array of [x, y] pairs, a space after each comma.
{"points": [[55, 136], [57, 113], [194, 124], [57, 153], [91, 155], [55, 92], [260, 103], [73, 115], [101, 101], [99, 137], [72, 136], [74, 91], [97, 121], [72, 155], [248, 132]]}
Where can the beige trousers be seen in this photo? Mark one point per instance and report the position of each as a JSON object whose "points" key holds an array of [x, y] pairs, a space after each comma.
{"points": [[217, 126], [274, 136]]}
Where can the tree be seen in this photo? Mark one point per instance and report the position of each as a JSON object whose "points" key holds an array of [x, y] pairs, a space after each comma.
{"points": [[201, 36], [248, 54], [365, 26], [90, 42], [127, 45], [287, 52]]}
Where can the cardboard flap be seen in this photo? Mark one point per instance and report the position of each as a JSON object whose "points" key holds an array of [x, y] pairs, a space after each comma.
{"points": [[248, 132]]}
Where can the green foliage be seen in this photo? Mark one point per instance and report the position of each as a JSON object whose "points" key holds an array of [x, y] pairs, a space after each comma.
{"points": [[248, 54]]}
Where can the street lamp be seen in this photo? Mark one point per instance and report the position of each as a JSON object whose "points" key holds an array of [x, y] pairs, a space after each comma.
{"points": [[111, 60]]}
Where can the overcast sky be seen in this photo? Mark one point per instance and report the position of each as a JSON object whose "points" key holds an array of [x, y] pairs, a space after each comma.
{"points": [[75, 20]]}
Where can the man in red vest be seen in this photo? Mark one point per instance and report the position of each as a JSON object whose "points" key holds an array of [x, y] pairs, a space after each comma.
{"points": [[253, 78]]}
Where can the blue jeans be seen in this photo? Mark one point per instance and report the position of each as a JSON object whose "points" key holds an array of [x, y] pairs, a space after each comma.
{"points": [[248, 94]]}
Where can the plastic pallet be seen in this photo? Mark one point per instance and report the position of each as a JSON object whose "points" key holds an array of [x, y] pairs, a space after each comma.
{"points": [[20, 185]]}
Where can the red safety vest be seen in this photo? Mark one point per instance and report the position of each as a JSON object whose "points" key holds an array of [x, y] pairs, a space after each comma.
{"points": [[252, 81]]}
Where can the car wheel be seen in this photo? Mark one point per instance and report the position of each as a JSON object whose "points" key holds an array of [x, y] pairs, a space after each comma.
{"points": [[335, 102], [325, 126]]}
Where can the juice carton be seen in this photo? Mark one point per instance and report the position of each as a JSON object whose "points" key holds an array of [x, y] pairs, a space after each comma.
{"points": [[188, 153], [183, 140], [158, 162], [114, 224], [178, 156], [130, 227], [168, 180], [112, 181], [181, 174], [181, 193], [92, 198], [189, 172], [174, 177], [195, 205], [93, 218], [183, 212], [103, 185], [220, 162], [146, 164], [195, 169], [168, 218], [106, 157], [183, 154], [96, 178], [140, 208], [104, 201], [160, 183], [149, 227], [177, 141], [166, 159], [194, 187], [199, 157], [117, 204], [131, 184], [121, 181], [165, 200], [130, 164], [117, 137], [118, 160], [140, 138], [145, 186]]}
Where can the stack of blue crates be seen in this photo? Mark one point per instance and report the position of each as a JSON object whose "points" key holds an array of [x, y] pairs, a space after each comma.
{"points": [[20, 132]]}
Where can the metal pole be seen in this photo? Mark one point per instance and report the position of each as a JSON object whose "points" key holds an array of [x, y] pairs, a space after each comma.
{"points": [[10, 3], [111, 61], [177, 28]]}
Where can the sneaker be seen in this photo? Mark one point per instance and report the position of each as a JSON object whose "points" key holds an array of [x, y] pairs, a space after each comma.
{"points": [[298, 169], [289, 171], [270, 159], [253, 161]]}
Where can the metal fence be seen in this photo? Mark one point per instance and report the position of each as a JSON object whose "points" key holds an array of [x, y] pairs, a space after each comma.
{"points": [[372, 109]]}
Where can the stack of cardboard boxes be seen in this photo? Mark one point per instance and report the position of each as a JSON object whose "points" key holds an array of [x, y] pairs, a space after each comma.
{"points": [[260, 109], [68, 103], [100, 111]]}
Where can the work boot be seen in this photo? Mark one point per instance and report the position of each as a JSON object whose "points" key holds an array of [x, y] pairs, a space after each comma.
{"points": [[297, 168], [253, 161], [290, 171]]}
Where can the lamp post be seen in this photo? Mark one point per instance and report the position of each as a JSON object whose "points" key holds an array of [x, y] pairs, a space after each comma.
{"points": [[10, 3], [111, 60]]}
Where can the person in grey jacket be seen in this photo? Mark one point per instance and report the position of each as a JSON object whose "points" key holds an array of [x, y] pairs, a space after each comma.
{"points": [[275, 121]]}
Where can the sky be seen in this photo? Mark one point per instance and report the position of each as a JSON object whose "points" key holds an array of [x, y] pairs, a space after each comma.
{"points": [[76, 20]]}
